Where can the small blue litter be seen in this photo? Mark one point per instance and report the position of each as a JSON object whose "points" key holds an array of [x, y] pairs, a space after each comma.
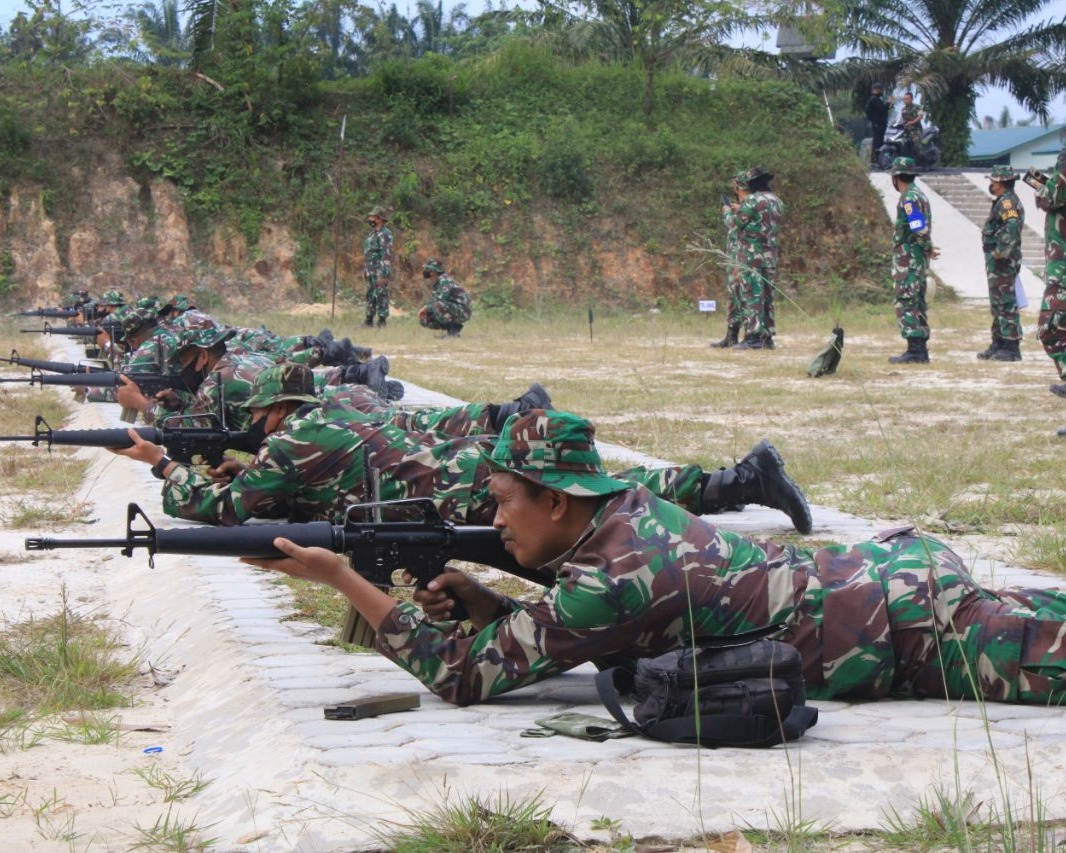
{"points": [[152, 750]]}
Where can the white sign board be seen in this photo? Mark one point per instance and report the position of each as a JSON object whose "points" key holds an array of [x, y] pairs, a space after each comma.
{"points": [[708, 305]]}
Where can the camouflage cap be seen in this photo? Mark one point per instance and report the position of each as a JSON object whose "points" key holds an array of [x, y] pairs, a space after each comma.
{"points": [[112, 297], [1003, 173], [282, 382], [556, 449], [904, 166], [379, 211], [179, 301], [135, 318], [745, 178], [148, 302], [205, 338], [433, 265]]}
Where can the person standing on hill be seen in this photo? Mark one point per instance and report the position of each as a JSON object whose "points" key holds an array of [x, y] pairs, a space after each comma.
{"points": [[377, 266], [877, 115], [911, 117], [758, 222], [1001, 240], [911, 254]]}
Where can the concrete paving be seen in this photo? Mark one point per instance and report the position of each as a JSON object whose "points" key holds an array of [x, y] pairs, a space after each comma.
{"points": [[250, 685]]}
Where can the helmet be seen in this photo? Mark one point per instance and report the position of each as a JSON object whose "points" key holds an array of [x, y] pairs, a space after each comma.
{"points": [[904, 166], [433, 265]]}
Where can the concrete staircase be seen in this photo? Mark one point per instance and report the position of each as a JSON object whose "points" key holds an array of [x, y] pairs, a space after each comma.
{"points": [[975, 205]]}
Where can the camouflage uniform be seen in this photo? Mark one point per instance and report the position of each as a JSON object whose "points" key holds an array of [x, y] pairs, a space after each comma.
{"points": [[377, 269], [733, 281], [1052, 320], [1001, 240], [913, 132], [895, 616], [910, 262], [758, 223], [448, 307]]}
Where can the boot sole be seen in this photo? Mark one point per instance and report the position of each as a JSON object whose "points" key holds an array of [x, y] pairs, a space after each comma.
{"points": [[800, 513]]}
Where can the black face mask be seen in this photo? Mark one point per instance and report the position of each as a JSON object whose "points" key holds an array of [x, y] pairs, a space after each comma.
{"points": [[192, 376], [426, 274], [255, 435]]}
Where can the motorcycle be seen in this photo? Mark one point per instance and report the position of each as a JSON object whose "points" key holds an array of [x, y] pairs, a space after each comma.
{"points": [[927, 157]]}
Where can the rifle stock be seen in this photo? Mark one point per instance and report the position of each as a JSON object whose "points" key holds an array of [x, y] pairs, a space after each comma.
{"points": [[375, 549]]}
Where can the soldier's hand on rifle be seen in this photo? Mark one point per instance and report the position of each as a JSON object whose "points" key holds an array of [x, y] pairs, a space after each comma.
{"points": [[141, 451], [441, 593], [129, 395], [168, 399], [226, 471]]}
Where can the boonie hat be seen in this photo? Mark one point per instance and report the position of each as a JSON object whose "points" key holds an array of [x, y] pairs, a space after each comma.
{"points": [[746, 177], [1003, 172], [556, 449], [180, 302], [135, 318], [205, 338], [904, 166], [433, 265], [112, 297], [282, 382], [379, 211]]}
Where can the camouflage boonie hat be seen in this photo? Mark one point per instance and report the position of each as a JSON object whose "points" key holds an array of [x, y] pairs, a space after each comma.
{"points": [[180, 302], [1003, 173], [379, 211], [904, 166], [748, 175], [433, 265], [282, 382], [205, 338], [134, 318], [555, 449], [148, 302], [112, 297]]}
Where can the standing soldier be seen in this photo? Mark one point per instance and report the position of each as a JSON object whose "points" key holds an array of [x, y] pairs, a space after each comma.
{"points": [[1001, 240], [877, 115], [377, 266], [1052, 321], [449, 305], [911, 254], [910, 116], [734, 285], [758, 219]]}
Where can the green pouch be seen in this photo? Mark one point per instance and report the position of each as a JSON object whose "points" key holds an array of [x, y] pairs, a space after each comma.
{"points": [[583, 726]]}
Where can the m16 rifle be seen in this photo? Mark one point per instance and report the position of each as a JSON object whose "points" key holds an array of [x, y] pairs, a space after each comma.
{"points": [[419, 542], [51, 313], [56, 366], [183, 444], [112, 327]]}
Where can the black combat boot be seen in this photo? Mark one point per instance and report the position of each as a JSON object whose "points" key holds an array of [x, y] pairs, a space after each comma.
{"points": [[731, 335], [394, 390], [535, 397], [993, 348], [333, 353], [369, 322], [1061, 433], [1058, 390], [756, 341], [453, 331], [371, 374], [758, 478], [381, 322], [1008, 351], [917, 353]]}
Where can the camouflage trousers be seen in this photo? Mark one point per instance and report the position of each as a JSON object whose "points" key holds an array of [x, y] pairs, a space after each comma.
{"points": [[757, 301], [440, 315], [908, 280], [901, 616], [1051, 328], [377, 296], [1003, 303], [734, 302]]}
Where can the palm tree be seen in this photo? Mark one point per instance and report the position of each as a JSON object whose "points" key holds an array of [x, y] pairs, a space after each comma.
{"points": [[952, 49], [160, 29]]}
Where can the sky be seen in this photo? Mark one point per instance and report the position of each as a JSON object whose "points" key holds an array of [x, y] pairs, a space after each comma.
{"points": [[989, 103]]}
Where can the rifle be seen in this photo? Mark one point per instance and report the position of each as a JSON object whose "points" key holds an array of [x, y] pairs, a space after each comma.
{"points": [[183, 444], [375, 549], [113, 329], [53, 313], [149, 383], [55, 366]]}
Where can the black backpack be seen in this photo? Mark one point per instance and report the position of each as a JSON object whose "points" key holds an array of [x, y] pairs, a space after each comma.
{"points": [[750, 693]]}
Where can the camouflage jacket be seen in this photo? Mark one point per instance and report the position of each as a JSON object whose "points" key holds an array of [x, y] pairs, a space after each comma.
{"points": [[1001, 236], [1052, 197], [377, 252], [758, 222], [449, 302], [645, 576], [915, 243], [229, 383]]}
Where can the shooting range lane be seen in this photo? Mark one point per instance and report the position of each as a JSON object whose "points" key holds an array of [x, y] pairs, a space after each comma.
{"points": [[245, 708]]}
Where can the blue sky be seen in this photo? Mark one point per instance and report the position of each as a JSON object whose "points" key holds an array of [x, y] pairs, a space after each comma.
{"points": [[989, 103]]}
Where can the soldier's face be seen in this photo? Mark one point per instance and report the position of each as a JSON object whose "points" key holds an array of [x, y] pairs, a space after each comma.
{"points": [[996, 188], [528, 520]]}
